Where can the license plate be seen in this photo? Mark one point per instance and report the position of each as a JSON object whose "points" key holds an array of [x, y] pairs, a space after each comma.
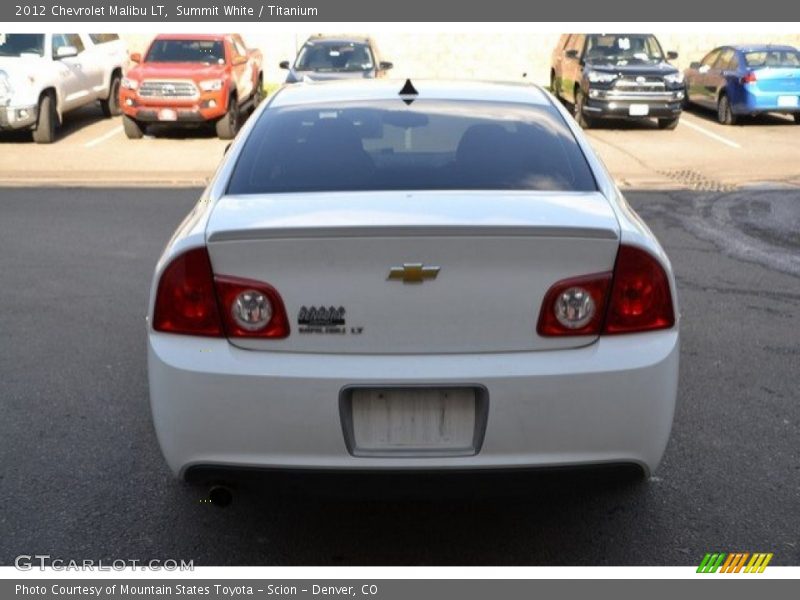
{"points": [[638, 110], [414, 421], [788, 101], [167, 114]]}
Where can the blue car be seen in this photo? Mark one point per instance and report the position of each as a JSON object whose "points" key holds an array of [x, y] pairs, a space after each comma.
{"points": [[746, 80]]}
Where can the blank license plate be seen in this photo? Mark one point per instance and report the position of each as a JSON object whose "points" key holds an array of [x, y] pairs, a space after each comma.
{"points": [[424, 420], [167, 114], [790, 101], [638, 110]]}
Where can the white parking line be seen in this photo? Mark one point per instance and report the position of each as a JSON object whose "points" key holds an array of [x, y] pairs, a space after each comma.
{"points": [[711, 134], [103, 138]]}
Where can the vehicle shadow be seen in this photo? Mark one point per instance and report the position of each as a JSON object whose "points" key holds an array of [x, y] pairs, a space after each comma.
{"points": [[430, 519], [74, 122], [765, 119]]}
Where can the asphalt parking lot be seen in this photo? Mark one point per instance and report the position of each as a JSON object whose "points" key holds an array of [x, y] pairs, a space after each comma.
{"points": [[82, 476], [83, 221]]}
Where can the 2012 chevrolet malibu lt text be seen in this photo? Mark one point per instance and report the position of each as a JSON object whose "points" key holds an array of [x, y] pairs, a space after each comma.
{"points": [[421, 276]]}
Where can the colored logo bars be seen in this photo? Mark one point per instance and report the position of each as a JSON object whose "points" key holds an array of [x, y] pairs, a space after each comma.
{"points": [[735, 562]]}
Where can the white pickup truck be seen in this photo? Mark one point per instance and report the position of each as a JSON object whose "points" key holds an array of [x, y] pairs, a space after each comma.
{"points": [[45, 75]]}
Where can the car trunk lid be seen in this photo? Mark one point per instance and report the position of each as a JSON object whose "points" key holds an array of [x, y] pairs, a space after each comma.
{"points": [[413, 272]]}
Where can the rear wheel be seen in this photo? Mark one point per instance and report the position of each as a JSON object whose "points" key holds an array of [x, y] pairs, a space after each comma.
{"points": [[668, 123], [228, 125], [133, 129], [45, 131], [110, 106], [580, 102], [724, 113]]}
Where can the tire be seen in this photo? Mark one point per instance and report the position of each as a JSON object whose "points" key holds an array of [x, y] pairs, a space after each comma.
{"points": [[258, 93], [228, 125], [668, 124], [110, 106], [584, 121], [725, 115], [45, 132], [797, 118], [133, 129]]}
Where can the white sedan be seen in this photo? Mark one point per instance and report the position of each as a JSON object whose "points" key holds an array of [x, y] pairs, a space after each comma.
{"points": [[442, 276]]}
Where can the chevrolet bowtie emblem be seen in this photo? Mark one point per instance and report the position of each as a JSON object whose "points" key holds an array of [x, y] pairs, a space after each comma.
{"points": [[413, 273]]}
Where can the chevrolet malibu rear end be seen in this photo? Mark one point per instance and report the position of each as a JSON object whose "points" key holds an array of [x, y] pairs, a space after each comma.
{"points": [[445, 278]]}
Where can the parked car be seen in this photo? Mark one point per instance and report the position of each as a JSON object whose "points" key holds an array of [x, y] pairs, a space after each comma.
{"points": [[192, 80], [337, 57], [746, 80], [624, 75], [43, 76], [434, 275]]}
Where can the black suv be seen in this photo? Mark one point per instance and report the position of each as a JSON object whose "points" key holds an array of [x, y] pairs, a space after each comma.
{"points": [[617, 75], [337, 57]]}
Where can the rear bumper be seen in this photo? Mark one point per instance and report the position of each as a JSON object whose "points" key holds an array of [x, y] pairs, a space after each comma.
{"points": [[215, 405], [757, 101]]}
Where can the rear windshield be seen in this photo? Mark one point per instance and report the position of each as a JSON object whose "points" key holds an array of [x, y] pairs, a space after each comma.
{"points": [[191, 51], [772, 58], [429, 145]]}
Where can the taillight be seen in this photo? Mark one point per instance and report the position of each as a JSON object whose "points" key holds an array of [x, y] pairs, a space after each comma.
{"points": [[749, 77], [635, 297], [185, 300], [575, 306], [191, 300], [640, 297], [251, 308]]}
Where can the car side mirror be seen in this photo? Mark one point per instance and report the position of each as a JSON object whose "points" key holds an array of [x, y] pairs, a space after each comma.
{"points": [[672, 55], [66, 52], [571, 53], [239, 60], [385, 65], [695, 65], [284, 64], [136, 57], [704, 69]]}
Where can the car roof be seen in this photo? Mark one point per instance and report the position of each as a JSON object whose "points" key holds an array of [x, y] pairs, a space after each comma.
{"points": [[387, 89], [760, 47]]}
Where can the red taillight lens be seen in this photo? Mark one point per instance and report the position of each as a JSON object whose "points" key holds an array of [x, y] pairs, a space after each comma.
{"points": [[749, 77], [191, 300], [574, 306], [251, 309], [640, 297], [185, 300]]}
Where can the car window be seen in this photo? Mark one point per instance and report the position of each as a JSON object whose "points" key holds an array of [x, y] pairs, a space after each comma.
{"points": [[103, 38], [189, 51], [724, 60], [19, 44], [575, 43], [772, 58], [334, 57], [238, 46], [429, 145], [710, 58], [67, 39]]}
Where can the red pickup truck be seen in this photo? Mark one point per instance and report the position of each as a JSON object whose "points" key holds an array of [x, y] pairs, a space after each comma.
{"points": [[188, 79]]}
